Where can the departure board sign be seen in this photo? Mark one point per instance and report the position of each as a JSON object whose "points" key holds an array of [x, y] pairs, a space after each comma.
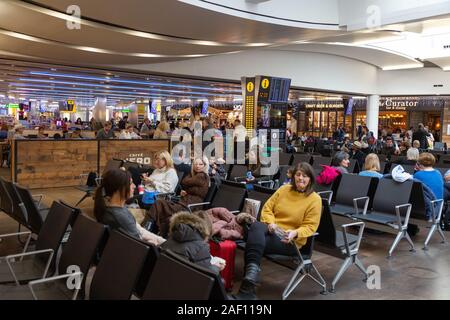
{"points": [[279, 90], [248, 90], [272, 89]]}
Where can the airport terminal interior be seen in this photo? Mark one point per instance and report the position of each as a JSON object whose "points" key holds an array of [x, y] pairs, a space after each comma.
{"points": [[224, 150]]}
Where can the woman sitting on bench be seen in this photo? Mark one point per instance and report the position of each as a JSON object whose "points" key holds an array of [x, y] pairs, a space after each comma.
{"points": [[289, 217]]}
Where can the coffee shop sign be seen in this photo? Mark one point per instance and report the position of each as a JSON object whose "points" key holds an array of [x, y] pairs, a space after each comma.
{"points": [[139, 158], [390, 104]]}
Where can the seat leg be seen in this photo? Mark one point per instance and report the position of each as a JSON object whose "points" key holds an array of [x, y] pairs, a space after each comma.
{"points": [[444, 240], [320, 281], [294, 282], [361, 267], [395, 243], [82, 199], [430, 234], [345, 265], [408, 238]]}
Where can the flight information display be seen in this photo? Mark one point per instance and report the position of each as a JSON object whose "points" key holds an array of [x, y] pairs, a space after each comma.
{"points": [[279, 90]]}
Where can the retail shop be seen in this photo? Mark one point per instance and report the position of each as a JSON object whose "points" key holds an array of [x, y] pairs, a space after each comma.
{"points": [[401, 113], [319, 117]]}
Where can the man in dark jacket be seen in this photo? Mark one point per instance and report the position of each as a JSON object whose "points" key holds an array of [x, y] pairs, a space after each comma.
{"points": [[421, 136]]}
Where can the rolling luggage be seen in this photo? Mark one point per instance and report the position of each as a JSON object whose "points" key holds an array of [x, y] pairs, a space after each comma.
{"points": [[227, 251]]}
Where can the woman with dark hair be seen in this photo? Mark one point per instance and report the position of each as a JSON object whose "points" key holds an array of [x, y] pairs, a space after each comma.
{"points": [[289, 217], [109, 206]]}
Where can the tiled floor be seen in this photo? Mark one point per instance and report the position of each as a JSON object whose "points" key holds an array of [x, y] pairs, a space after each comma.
{"points": [[407, 275]]}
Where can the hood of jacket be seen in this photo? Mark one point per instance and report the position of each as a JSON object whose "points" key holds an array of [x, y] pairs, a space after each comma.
{"points": [[188, 227]]}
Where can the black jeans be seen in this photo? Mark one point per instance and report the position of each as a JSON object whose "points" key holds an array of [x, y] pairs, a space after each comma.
{"points": [[260, 242]]}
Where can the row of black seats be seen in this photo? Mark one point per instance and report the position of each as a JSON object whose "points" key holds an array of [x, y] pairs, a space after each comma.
{"points": [[124, 266], [386, 205], [330, 240]]}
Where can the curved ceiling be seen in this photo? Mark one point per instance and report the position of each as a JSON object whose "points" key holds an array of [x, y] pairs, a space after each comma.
{"points": [[141, 32]]}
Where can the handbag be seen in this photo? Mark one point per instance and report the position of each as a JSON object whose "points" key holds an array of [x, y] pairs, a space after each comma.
{"points": [[149, 197]]}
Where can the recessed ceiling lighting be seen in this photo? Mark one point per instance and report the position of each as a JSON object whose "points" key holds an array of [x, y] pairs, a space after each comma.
{"points": [[53, 69]]}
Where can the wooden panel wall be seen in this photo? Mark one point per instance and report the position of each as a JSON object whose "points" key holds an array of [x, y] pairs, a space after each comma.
{"points": [[132, 150], [50, 163]]}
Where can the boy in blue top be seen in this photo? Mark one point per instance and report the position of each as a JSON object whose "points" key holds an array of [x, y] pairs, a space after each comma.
{"points": [[429, 176]]}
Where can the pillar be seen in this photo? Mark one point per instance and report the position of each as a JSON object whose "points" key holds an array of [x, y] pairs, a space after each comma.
{"points": [[100, 110], [372, 112]]}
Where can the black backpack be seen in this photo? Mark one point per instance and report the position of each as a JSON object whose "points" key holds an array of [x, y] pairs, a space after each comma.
{"points": [[445, 219]]}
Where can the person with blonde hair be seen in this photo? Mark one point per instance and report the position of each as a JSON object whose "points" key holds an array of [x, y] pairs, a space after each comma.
{"points": [[371, 166], [161, 130], [194, 188], [164, 178]]}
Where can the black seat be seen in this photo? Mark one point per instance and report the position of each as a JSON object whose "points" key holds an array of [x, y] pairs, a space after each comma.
{"points": [[19, 213], [76, 258], [298, 158], [147, 269], [119, 269], [353, 194], [177, 280], [237, 171], [354, 166], [319, 161], [5, 199], [390, 200], [339, 244], [218, 292], [285, 159], [281, 176], [27, 266], [36, 217], [229, 195]]}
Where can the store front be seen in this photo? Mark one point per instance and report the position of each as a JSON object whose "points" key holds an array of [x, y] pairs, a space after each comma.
{"points": [[322, 117], [398, 114]]}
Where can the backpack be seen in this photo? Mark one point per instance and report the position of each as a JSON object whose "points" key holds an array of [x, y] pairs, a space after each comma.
{"points": [[327, 175]]}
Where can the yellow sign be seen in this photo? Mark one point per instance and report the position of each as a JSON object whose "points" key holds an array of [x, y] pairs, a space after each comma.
{"points": [[250, 86], [70, 101], [141, 108], [265, 83]]}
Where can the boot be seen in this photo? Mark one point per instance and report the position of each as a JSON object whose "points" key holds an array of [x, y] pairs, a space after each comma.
{"points": [[246, 291], [252, 273]]}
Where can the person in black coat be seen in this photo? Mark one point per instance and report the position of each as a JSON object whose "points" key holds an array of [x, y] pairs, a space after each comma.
{"points": [[421, 135], [188, 237]]}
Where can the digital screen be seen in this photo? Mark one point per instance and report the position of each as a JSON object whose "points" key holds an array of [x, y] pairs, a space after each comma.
{"points": [[153, 107], [204, 108], [42, 108], [348, 111], [279, 90]]}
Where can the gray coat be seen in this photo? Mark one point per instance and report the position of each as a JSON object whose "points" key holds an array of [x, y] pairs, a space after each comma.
{"points": [[187, 239]]}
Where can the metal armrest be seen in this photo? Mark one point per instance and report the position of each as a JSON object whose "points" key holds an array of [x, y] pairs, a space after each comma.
{"points": [[56, 278], [324, 193], [269, 182], [10, 259], [235, 211], [238, 179], [355, 247], [98, 181], [40, 196], [366, 204], [193, 205], [29, 233], [399, 217]]}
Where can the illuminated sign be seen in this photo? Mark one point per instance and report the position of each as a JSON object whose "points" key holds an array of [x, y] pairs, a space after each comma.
{"points": [[13, 105], [139, 158], [250, 86], [265, 83], [126, 110]]}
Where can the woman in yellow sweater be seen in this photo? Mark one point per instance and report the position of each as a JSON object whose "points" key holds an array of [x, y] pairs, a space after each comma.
{"points": [[292, 214]]}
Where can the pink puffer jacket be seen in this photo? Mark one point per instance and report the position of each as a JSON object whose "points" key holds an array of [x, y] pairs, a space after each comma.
{"points": [[224, 224]]}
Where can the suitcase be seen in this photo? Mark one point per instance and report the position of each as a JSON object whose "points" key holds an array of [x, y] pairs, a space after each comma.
{"points": [[227, 251]]}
